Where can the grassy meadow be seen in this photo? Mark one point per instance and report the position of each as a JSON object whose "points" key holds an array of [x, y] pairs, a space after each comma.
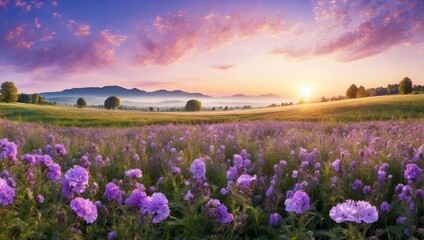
{"points": [[371, 108]]}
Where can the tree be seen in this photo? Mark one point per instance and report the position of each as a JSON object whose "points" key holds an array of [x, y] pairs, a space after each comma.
{"points": [[352, 91], [193, 105], [361, 92], [81, 103], [151, 109], [9, 92], [112, 102], [405, 86]]}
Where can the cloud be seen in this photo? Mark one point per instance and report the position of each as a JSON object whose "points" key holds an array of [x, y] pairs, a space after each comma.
{"points": [[169, 38], [358, 29], [82, 30], [223, 67], [20, 50], [4, 3]]}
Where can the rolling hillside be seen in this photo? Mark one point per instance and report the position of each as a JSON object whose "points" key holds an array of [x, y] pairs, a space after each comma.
{"points": [[373, 108]]}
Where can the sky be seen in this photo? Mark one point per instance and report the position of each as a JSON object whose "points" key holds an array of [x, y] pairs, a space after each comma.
{"points": [[217, 47]]}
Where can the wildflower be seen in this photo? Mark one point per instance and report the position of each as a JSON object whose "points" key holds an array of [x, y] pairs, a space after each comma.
{"points": [[336, 165], [113, 193], [85, 209], [245, 180], [7, 193], [54, 172], [198, 168], [224, 191], [222, 216], [40, 198], [77, 179], [157, 206], [134, 173], [28, 159], [385, 207], [412, 172], [275, 219], [294, 174], [60, 150], [357, 184], [232, 173], [401, 220], [298, 203], [85, 162], [366, 189], [352, 211], [112, 235], [189, 197], [176, 170], [136, 198], [10, 150]]}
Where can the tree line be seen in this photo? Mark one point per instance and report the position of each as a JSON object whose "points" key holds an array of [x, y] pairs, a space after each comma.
{"points": [[9, 93], [403, 87]]}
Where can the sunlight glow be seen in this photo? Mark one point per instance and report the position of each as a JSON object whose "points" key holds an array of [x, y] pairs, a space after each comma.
{"points": [[305, 92]]}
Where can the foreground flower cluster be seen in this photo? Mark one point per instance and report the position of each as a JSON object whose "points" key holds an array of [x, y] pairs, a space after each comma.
{"points": [[251, 180]]}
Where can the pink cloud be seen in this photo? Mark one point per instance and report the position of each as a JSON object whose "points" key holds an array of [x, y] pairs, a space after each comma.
{"points": [[172, 37], [4, 3], [223, 67], [37, 23], [358, 29], [83, 30]]}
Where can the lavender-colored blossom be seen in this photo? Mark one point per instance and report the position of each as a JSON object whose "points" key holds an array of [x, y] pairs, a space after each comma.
{"points": [[189, 197], [136, 199], [385, 207], [223, 191], [77, 179], [60, 150], [176, 170], [112, 235], [113, 193], [9, 151], [366, 189], [232, 173], [85, 209], [245, 180], [99, 162], [275, 219], [354, 211], [336, 165], [294, 174], [222, 216], [401, 220], [419, 193], [298, 203], [54, 172], [7, 193], [85, 162], [28, 159], [198, 168], [134, 173], [357, 184], [44, 160], [412, 172], [157, 206], [40, 198], [405, 194]]}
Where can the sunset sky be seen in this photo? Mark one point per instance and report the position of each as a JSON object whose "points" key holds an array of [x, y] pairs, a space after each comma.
{"points": [[219, 47]]}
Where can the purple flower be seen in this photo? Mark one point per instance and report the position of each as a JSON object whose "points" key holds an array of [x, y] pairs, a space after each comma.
{"points": [[112, 235], [176, 170], [157, 206], [136, 198], [198, 168], [85, 209], [366, 189], [352, 211], [405, 194], [412, 172], [275, 219], [7, 193], [134, 173], [294, 174], [232, 173], [98, 161], [46, 160], [336, 165], [401, 220], [10, 150], [222, 216], [28, 159], [385, 207], [113, 193], [245, 180], [189, 197], [224, 191], [85, 162], [40, 198], [357, 185], [54, 172], [298, 203], [60, 150], [76, 178]]}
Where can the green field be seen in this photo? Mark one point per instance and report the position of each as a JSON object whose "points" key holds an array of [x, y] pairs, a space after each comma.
{"points": [[372, 108]]}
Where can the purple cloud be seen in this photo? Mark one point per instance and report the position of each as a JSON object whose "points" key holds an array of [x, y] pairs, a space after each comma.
{"points": [[359, 29], [223, 67], [172, 37]]}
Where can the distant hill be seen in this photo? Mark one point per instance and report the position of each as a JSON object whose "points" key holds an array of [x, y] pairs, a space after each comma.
{"points": [[119, 92]]}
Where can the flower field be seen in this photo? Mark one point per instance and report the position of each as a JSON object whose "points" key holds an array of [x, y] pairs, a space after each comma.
{"points": [[253, 180]]}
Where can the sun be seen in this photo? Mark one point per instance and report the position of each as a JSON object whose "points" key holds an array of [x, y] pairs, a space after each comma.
{"points": [[305, 92]]}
